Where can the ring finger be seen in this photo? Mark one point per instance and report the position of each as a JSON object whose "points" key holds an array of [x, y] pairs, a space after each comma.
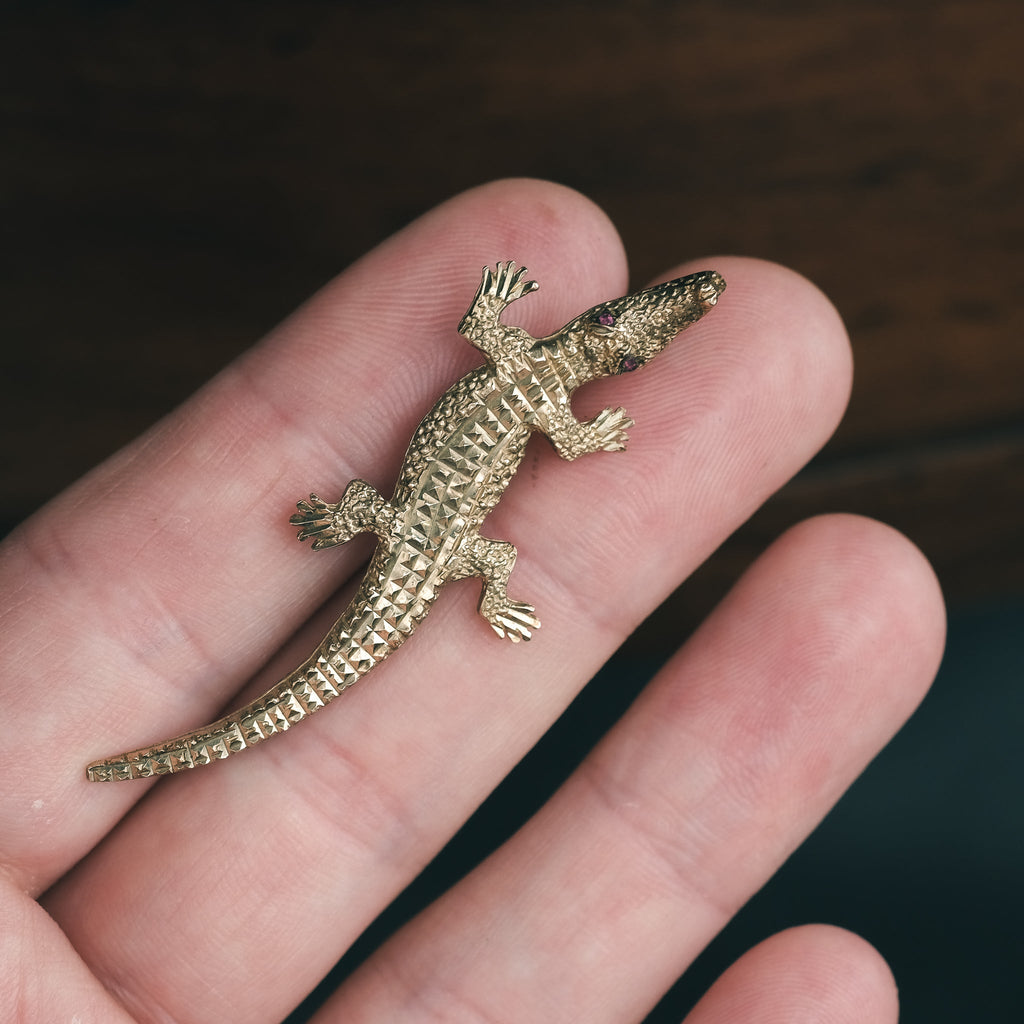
{"points": [[718, 771]]}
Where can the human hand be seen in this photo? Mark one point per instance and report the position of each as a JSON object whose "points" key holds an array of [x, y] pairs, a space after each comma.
{"points": [[151, 593]]}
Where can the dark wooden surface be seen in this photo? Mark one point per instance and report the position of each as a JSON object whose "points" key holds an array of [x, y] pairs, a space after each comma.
{"points": [[176, 178]]}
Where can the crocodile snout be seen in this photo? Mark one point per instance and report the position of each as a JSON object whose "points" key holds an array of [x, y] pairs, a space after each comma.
{"points": [[711, 287]]}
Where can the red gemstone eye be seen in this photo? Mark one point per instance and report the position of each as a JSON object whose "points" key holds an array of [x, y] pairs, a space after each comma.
{"points": [[606, 320], [628, 364]]}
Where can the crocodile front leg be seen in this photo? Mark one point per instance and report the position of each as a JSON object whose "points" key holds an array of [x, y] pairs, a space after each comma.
{"points": [[482, 323], [494, 560], [606, 432]]}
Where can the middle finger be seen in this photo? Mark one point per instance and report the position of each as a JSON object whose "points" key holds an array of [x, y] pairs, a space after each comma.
{"points": [[306, 842]]}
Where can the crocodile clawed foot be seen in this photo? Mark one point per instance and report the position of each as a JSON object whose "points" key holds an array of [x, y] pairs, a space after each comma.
{"points": [[512, 619], [611, 428], [318, 519], [361, 509], [507, 282]]}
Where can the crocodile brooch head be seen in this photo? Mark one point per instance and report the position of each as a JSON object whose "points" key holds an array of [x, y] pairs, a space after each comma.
{"points": [[622, 335]]}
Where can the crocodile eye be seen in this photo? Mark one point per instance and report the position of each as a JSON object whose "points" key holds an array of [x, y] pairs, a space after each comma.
{"points": [[606, 320], [628, 364]]}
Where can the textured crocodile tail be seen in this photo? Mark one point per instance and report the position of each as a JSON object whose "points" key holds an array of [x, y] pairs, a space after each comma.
{"points": [[361, 639]]}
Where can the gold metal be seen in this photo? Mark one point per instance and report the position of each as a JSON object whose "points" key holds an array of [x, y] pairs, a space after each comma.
{"points": [[459, 463]]}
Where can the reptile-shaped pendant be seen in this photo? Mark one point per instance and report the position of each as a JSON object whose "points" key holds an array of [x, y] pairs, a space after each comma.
{"points": [[459, 463]]}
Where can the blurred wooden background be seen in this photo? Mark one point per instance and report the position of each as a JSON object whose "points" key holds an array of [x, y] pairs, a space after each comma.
{"points": [[176, 178]]}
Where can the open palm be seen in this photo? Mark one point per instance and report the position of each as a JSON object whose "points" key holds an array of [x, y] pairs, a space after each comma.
{"points": [[168, 584]]}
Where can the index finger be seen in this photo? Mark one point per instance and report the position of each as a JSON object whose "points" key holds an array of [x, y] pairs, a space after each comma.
{"points": [[144, 596]]}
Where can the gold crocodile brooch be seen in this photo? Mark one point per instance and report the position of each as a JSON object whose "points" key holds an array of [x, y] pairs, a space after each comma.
{"points": [[456, 469]]}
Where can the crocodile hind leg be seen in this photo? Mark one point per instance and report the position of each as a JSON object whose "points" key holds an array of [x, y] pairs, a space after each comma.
{"points": [[493, 560], [362, 509]]}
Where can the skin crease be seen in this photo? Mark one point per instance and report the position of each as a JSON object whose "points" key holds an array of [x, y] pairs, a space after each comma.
{"points": [[167, 584]]}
